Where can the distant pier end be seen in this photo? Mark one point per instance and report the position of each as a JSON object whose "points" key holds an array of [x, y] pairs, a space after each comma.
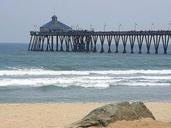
{"points": [[56, 36]]}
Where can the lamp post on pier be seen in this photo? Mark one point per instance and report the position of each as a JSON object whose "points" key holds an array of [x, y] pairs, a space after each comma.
{"points": [[169, 26], [90, 27], [77, 27], [35, 27], [104, 27], [152, 26], [119, 27], [135, 26]]}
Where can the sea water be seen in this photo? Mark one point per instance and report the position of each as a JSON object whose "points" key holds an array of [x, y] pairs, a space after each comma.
{"points": [[41, 77]]}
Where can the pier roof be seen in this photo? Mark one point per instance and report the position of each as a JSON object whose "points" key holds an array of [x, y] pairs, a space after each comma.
{"points": [[55, 26]]}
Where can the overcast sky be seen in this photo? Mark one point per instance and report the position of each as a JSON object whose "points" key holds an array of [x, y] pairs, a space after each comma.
{"points": [[18, 17]]}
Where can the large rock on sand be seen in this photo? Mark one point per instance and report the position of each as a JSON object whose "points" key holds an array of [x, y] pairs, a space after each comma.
{"points": [[111, 113]]}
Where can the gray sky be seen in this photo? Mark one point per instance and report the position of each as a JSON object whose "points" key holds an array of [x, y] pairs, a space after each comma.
{"points": [[18, 17]]}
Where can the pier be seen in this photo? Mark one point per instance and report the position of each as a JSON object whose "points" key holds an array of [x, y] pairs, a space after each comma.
{"points": [[57, 37]]}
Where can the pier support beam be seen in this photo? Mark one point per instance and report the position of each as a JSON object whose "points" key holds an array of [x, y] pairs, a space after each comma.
{"points": [[91, 44], [140, 39], [57, 45], [31, 39], [132, 42], [82, 44], [102, 39], [117, 39], [42, 45], [48, 43], [109, 40], [36, 42], [95, 43], [32, 45], [38, 47], [124, 40], [156, 39], [148, 39], [77, 44], [61, 40], [67, 38], [74, 43], [88, 40], [71, 43], [165, 41], [51, 44]]}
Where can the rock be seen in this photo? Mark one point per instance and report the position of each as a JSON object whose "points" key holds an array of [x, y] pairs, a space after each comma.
{"points": [[111, 113]]}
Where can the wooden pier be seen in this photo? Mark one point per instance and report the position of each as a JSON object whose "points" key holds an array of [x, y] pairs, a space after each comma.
{"points": [[86, 41], [56, 36]]}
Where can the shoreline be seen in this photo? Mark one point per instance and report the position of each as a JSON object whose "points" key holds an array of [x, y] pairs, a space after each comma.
{"points": [[60, 115], [57, 103]]}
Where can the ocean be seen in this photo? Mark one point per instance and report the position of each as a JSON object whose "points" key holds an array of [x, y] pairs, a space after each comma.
{"points": [[55, 77]]}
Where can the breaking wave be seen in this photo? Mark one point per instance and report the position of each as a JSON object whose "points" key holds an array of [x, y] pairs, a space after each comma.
{"points": [[95, 79]]}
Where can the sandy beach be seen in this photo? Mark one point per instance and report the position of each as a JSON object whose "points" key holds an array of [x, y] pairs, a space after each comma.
{"points": [[63, 114]]}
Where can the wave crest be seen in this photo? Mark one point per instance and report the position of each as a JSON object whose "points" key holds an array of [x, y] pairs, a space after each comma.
{"points": [[96, 79]]}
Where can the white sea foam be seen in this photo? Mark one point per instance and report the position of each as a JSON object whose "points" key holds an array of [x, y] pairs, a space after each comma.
{"points": [[52, 72], [99, 79]]}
